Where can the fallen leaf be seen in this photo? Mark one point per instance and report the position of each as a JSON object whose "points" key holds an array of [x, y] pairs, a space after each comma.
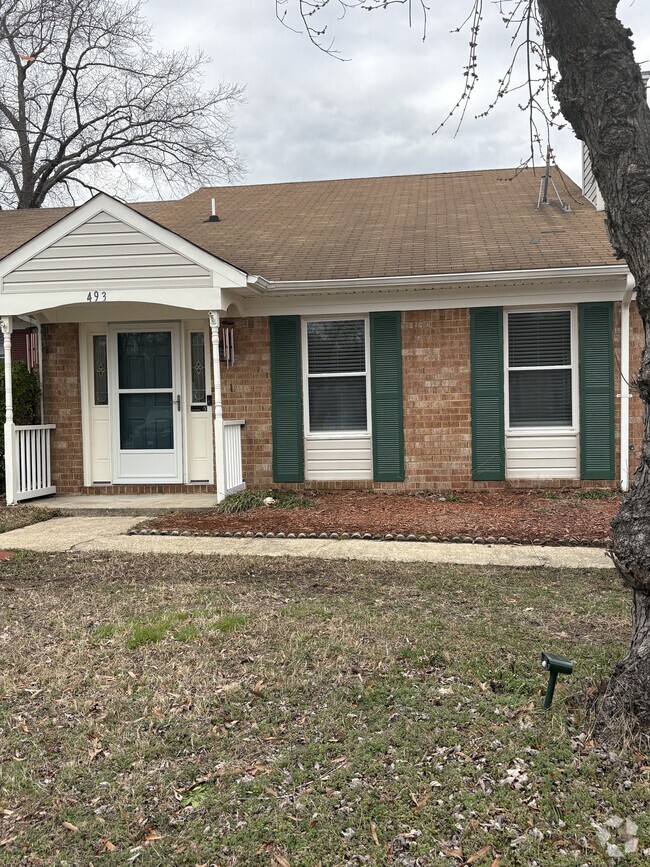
{"points": [[108, 846], [257, 689], [70, 826], [497, 861], [280, 861], [478, 855], [454, 853], [152, 837], [373, 831]]}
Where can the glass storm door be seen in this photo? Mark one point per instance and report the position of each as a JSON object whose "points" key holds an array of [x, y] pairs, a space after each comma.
{"points": [[146, 421]]}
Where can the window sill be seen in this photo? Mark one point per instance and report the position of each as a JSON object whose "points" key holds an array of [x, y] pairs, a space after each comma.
{"points": [[541, 431], [338, 435]]}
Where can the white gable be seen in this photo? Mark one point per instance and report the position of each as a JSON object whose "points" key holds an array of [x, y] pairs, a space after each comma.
{"points": [[106, 253]]}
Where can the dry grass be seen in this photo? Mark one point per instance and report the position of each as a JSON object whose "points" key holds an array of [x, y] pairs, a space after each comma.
{"points": [[239, 712], [15, 517]]}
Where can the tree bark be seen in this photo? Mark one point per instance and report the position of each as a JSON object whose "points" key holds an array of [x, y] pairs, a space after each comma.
{"points": [[603, 96]]}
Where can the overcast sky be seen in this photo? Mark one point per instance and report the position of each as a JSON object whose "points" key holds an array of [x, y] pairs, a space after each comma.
{"points": [[310, 117]]}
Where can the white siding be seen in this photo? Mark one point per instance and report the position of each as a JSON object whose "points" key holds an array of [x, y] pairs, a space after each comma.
{"points": [[589, 186], [330, 459], [543, 456], [103, 254]]}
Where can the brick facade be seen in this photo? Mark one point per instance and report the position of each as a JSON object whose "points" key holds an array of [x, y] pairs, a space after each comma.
{"points": [[62, 405], [437, 422], [246, 394]]}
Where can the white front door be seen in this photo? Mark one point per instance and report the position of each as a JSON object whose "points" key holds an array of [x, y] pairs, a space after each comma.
{"points": [[146, 404]]}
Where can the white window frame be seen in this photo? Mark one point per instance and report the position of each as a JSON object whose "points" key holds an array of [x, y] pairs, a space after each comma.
{"points": [[338, 434], [573, 428]]}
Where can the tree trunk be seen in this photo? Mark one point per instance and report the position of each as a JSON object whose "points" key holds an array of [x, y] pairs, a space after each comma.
{"points": [[603, 96]]}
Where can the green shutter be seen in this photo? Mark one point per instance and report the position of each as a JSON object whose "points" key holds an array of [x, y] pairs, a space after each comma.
{"points": [[596, 391], [286, 399], [386, 391], [486, 352]]}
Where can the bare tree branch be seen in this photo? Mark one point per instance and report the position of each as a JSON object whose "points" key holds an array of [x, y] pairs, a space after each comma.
{"points": [[85, 98]]}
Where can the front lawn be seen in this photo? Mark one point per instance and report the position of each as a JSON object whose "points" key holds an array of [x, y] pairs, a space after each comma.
{"points": [[230, 711], [15, 517]]}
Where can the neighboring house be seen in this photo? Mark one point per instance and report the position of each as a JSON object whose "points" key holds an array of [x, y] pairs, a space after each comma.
{"points": [[404, 333]]}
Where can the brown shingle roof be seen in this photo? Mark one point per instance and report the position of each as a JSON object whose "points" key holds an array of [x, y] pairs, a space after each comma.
{"points": [[375, 227]]}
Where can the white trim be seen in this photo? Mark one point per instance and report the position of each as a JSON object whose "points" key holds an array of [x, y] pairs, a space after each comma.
{"points": [[232, 276], [218, 422], [320, 435], [575, 385], [624, 439], [84, 390], [177, 388], [546, 274], [360, 302]]}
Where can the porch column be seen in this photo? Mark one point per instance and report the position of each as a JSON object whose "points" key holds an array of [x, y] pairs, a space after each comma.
{"points": [[219, 450], [6, 326]]}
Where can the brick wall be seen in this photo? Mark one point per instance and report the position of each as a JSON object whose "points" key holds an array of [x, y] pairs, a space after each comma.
{"points": [[437, 424], [62, 404], [436, 386], [437, 419], [246, 394]]}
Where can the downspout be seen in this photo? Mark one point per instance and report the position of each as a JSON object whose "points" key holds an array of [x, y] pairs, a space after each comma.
{"points": [[624, 395]]}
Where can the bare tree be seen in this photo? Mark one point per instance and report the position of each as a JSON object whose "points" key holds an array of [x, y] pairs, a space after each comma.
{"points": [[579, 53], [87, 101]]}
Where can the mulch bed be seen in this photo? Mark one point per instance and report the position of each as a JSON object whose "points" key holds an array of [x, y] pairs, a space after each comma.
{"points": [[495, 516]]}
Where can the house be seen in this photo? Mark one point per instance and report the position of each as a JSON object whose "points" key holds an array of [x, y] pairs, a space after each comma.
{"points": [[442, 331]]}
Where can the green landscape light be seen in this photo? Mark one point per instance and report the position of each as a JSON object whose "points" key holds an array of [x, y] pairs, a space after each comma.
{"points": [[555, 665]]}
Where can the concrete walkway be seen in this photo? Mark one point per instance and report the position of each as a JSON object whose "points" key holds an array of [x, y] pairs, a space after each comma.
{"points": [[126, 504], [107, 534]]}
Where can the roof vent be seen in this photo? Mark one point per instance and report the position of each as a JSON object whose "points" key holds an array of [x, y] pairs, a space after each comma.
{"points": [[546, 180], [214, 218]]}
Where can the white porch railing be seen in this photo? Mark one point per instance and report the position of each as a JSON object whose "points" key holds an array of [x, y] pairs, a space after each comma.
{"points": [[232, 456], [32, 467]]}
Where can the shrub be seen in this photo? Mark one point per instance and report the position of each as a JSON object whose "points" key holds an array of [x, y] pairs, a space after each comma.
{"points": [[26, 399], [245, 500]]}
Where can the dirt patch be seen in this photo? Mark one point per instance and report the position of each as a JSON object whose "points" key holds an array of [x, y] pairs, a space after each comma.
{"points": [[517, 516]]}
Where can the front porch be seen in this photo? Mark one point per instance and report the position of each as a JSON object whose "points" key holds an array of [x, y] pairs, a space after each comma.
{"points": [[127, 504], [131, 408], [130, 347]]}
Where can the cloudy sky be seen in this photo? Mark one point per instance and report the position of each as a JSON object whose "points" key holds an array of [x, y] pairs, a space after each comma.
{"points": [[308, 116]]}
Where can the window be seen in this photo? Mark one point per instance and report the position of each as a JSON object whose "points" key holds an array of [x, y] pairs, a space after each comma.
{"points": [[197, 364], [337, 378], [540, 369], [100, 370]]}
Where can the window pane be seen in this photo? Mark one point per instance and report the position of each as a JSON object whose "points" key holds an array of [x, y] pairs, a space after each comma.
{"points": [[540, 398], [539, 339], [146, 421], [100, 370], [197, 351], [338, 403], [336, 346], [145, 359]]}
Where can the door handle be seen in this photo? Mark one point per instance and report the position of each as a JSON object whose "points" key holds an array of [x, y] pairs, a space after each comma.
{"points": [[178, 402]]}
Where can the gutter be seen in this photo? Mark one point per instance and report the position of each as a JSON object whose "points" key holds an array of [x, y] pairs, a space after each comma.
{"points": [[624, 395], [431, 280]]}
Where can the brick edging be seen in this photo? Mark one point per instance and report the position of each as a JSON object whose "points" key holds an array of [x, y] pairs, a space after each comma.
{"points": [[376, 537]]}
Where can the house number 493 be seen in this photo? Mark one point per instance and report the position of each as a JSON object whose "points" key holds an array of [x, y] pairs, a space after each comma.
{"points": [[96, 296]]}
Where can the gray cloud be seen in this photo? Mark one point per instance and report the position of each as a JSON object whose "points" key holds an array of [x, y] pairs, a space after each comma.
{"points": [[309, 117]]}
